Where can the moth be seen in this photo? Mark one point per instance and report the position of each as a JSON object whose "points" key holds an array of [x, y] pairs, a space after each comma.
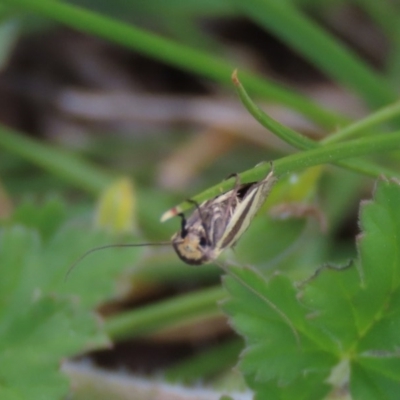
{"points": [[215, 224]]}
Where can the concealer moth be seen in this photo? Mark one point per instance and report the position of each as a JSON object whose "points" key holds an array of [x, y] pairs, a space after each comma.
{"points": [[215, 224], [218, 223]]}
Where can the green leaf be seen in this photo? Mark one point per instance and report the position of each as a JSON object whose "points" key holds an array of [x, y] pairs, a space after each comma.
{"points": [[100, 271], [44, 318], [296, 340], [45, 266], [280, 348], [331, 296], [304, 388], [375, 378], [379, 251], [33, 342], [46, 218], [383, 334], [37, 329], [359, 306]]}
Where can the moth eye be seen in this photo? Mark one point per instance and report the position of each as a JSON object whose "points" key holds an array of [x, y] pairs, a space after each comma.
{"points": [[203, 241]]}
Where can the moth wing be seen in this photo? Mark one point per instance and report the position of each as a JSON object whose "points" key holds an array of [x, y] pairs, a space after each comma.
{"points": [[245, 211]]}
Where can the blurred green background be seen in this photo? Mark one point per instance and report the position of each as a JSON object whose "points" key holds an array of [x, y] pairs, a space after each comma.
{"points": [[113, 112]]}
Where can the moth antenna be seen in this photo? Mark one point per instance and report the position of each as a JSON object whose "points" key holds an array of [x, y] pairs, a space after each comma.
{"points": [[196, 204], [265, 299], [108, 246]]}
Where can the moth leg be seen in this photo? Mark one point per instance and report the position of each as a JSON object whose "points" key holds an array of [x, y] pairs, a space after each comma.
{"points": [[234, 175], [271, 163], [203, 224], [232, 198], [195, 203], [237, 181], [184, 230]]}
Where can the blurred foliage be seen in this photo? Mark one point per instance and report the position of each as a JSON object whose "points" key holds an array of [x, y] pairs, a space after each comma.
{"points": [[334, 334]]}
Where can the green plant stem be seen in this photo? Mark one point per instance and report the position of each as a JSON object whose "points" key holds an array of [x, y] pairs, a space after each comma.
{"points": [[363, 125], [330, 154], [309, 158], [286, 134], [58, 162], [302, 142], [164, 314], [173, 53]]}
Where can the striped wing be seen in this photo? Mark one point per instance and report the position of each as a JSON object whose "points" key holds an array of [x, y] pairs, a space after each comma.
{"points": [[245, 211]]}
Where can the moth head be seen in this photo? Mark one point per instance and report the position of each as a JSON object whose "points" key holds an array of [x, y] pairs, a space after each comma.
{"points": [[192, 244]]}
